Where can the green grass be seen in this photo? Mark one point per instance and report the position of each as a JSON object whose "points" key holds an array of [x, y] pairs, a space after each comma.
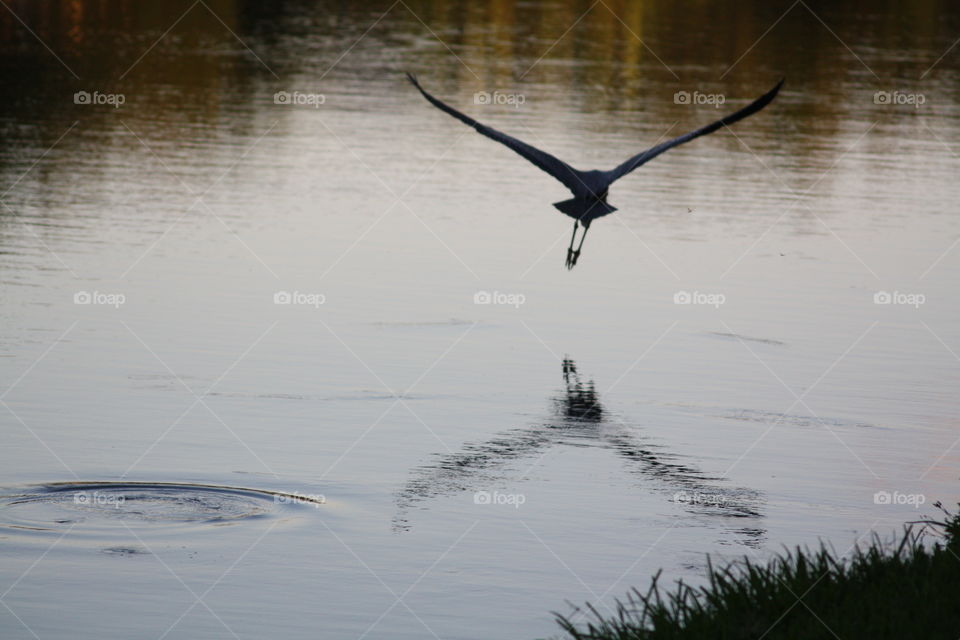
{"points": [[907, 589]]}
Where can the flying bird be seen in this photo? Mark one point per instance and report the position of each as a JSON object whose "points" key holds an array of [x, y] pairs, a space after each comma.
{"points": [[590, 188]]}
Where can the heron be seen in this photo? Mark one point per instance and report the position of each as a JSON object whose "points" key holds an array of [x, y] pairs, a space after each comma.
{"points": [[590, 188]]}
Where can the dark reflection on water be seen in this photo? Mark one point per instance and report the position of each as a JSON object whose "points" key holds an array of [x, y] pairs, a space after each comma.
{"points": [[180, 62], [581, 401], [580, 420], [198, 85], [198, 81]]}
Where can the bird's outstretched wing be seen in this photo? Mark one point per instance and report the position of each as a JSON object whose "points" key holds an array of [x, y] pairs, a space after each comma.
{"points": [[653, 152], [554, 166]]}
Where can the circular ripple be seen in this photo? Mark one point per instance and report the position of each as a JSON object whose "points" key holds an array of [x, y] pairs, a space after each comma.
{"points": [[93, 506]]}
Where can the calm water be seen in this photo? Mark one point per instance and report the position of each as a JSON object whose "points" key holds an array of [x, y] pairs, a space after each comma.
{"points": [[384, 457]]}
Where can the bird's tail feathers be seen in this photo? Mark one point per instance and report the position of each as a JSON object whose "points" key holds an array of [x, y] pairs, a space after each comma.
{"points": [[579, 208]]}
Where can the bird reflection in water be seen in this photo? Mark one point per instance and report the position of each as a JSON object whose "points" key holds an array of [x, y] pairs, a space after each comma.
{"points": [[580, 401], [581, 420]]}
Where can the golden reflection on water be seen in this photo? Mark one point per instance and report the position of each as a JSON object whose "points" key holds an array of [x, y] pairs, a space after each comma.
{"points": [[198, 79], [616, 44]]}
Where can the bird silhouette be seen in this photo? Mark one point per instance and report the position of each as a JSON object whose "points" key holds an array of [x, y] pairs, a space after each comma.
{"points": [[590, 187]]}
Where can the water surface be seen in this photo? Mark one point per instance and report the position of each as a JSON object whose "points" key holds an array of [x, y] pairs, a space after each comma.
{"points": [[479, 464]]}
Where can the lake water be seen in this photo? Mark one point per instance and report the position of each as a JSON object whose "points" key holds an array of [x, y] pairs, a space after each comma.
{"points": [[251, 387]]}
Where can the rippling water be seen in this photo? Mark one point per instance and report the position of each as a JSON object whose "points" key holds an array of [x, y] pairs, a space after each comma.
{"points": [[62, 506], [184, 455]]}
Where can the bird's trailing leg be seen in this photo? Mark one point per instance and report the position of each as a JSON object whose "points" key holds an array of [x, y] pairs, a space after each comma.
{"points": [[571, 254], [570, 261]]}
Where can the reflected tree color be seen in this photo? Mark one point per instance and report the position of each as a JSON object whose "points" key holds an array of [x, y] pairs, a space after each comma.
{"points": [[180, 66]]}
